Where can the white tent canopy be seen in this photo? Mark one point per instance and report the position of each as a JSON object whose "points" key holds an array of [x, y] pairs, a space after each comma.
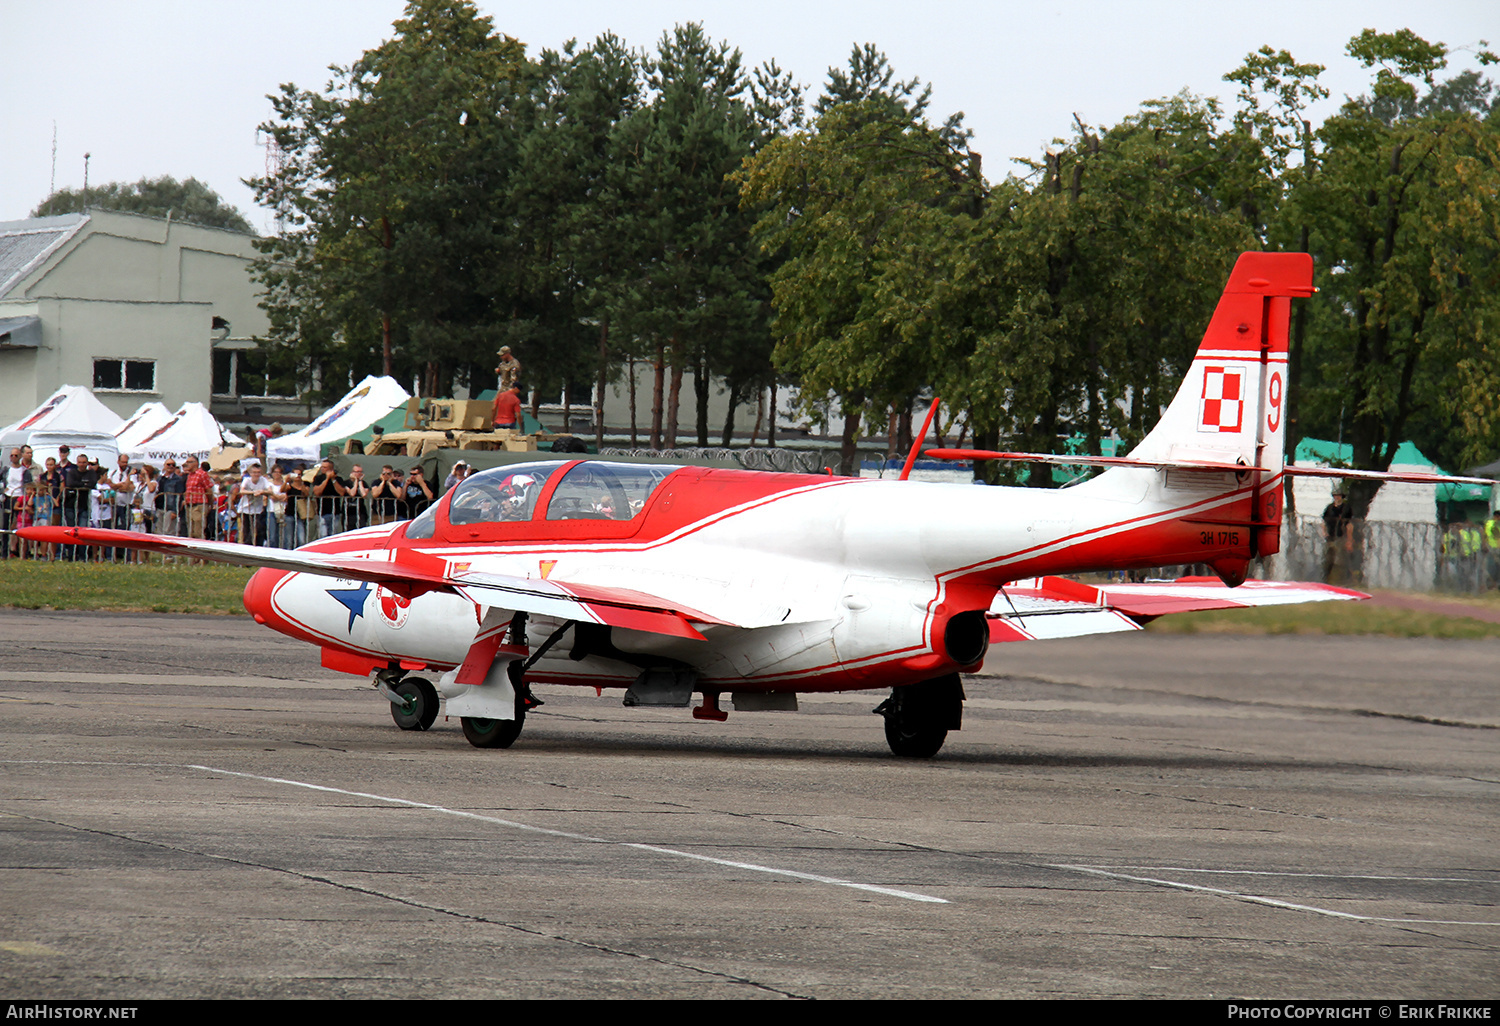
{"points": [[146, 419], [191, 431], [369, 401], [72, 408]]}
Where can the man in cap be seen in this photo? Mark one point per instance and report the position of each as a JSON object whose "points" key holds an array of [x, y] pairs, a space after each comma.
{"points": [[509, 368]]}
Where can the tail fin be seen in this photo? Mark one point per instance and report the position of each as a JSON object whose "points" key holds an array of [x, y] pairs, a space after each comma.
{"points": [[1231, 406]]}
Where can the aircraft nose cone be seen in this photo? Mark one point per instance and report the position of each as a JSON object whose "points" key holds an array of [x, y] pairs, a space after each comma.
{"points": [[258, 593]]}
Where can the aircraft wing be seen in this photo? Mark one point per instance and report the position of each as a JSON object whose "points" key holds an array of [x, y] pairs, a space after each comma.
{"points": [[1041, 608], [412, 573]]}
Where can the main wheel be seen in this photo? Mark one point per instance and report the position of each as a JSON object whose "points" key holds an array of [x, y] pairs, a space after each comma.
{"points": [[420, 709], [919, 716], [914, 742], [484, 733]]}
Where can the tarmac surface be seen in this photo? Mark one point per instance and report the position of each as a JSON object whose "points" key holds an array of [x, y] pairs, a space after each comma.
{"points": [[191, 807]]}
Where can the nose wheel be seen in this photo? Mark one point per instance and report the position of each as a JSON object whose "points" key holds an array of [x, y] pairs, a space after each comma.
{"points": [[418, 708]]}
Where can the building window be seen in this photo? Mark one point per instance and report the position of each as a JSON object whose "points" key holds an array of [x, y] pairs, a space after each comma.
{"points": [[248, 374], [125, 375]]}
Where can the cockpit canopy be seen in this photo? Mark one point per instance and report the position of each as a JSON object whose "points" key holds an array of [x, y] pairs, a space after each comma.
{"points": [[588, 490]]}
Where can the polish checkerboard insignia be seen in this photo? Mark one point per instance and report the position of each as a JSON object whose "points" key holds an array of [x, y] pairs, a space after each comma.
{"points": [[1223, 408]]}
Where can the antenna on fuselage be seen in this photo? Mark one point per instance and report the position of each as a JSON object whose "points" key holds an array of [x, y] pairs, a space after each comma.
{"points": [[916, 444]]}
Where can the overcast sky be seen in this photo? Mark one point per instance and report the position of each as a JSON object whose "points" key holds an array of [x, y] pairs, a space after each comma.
{"points": [[158, 87]]}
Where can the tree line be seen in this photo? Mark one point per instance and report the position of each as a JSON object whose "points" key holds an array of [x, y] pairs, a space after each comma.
{"points": [[599, 207]]}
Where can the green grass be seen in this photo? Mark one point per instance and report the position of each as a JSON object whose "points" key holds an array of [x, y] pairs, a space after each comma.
{"points": [[123, 588], [1327, 618]]}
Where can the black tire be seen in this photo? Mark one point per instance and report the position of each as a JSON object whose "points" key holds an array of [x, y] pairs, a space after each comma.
{"points": [[421, 709], [483, 733], [910, 742], [919, 716]]}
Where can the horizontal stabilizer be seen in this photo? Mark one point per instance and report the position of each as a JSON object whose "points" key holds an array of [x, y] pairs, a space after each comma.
{"points": [[1201, 466], [1070, 460], [1040, 608], [1415, 477]]}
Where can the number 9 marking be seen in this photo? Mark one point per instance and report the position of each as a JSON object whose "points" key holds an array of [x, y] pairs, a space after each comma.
{"points": [[1273, 397]]}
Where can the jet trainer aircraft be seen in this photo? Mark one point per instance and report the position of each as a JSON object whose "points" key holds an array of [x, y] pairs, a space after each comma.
{"points": [[673, 581]]}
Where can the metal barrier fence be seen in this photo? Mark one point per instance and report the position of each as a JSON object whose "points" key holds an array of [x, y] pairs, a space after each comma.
{"points": [[286, 525]]}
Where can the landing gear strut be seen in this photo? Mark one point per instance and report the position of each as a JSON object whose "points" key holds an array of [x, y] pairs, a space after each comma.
{"points": [[919, 716], [488, 733]]}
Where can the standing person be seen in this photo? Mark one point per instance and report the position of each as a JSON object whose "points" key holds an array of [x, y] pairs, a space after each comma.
{"points": [[327, 489], [297, 511], [384, 495], [143, 506], [508, 409], [223, 518], [1337, 535], [252, 501], [12, 490], [417, 493], [29, 481], [276, 509], [25, 515], [169, 493], [509, 369], [78, 490], [458, 473], [1492, 550], [264, 435], [120, 495], [197, 493], [356, 508], [49, 500], [101, 509]]}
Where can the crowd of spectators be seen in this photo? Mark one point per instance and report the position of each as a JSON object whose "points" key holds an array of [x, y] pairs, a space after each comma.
{"points": [[284, 507]]}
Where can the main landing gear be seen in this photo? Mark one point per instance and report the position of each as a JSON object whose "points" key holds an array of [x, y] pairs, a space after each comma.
{"points": [[487, 733], [919, 716]]}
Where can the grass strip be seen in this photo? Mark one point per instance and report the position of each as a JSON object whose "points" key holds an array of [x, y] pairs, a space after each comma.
{"points": [[1327, 618], [124, 587]]}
